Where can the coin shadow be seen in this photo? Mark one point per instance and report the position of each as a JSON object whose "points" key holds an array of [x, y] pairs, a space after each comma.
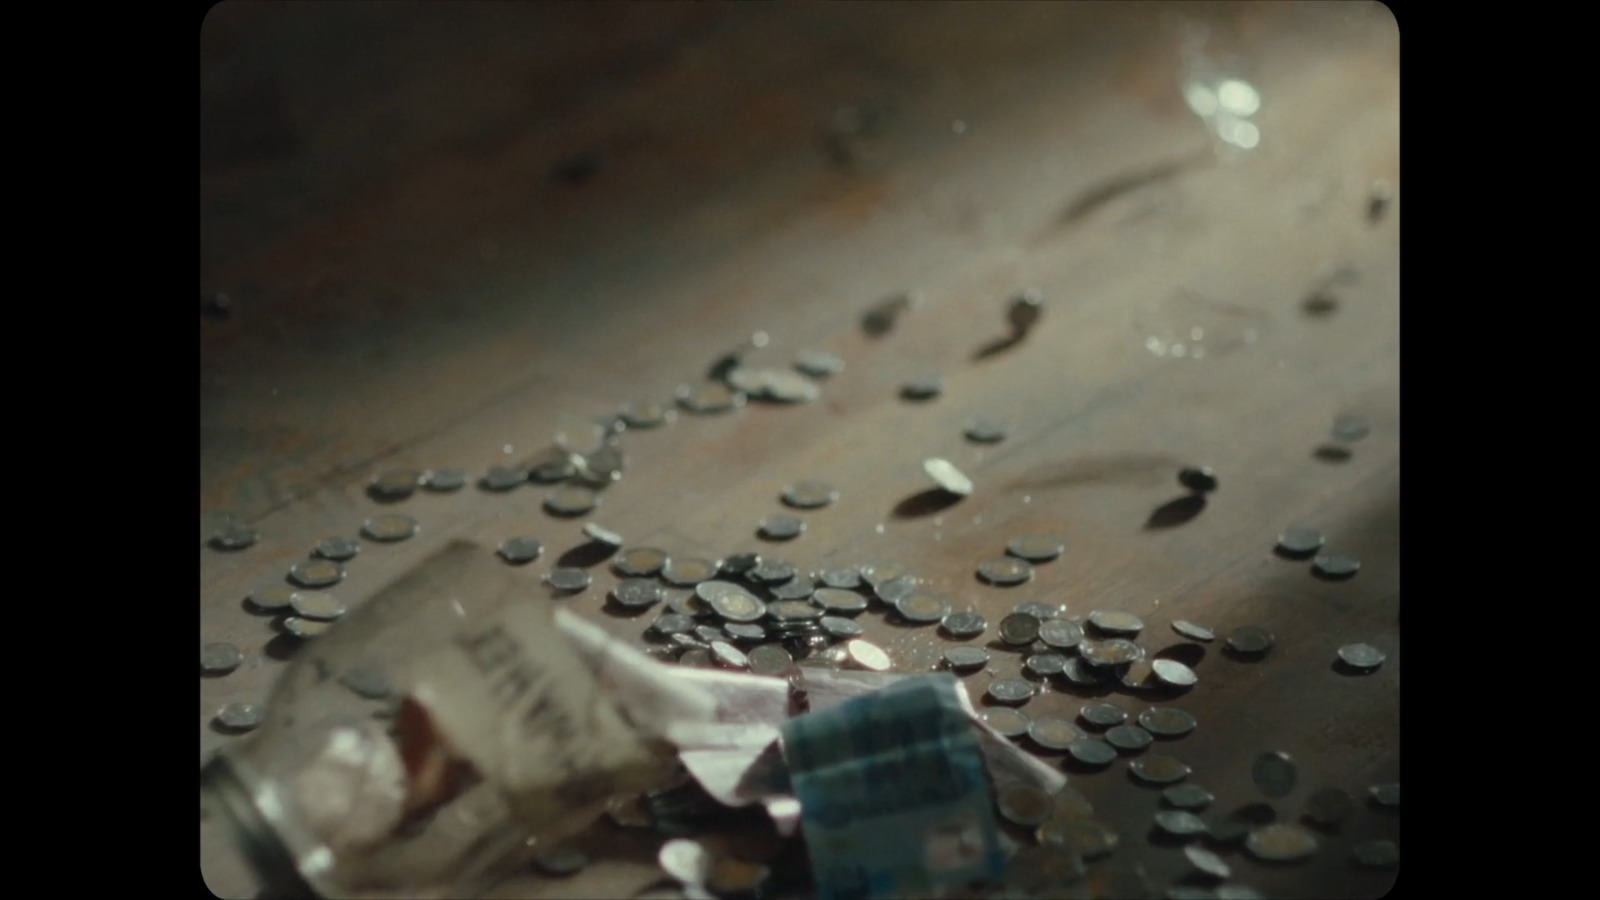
{"points": [[926, 503], [1292, 555], [612, 608], [996, 347], [1327, 828], [485, 488], [1332, 453], [1078, 767], [586, 554], [1343, 668], [1324, 576], [219, 728], [565, 514], [1241, 656], [283, 647], [1176, 512], [1189, 654], [1161, 838], [206, 673], [764, 537], [1375, 806], [379, 497], [248, 606], [217, 545]]}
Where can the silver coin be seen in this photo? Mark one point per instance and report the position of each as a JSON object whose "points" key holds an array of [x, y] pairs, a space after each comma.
{"points": [[239, 716], [923, 387], [1061, 634], [809, 494], [1046, 664], [818, 364], [647, 414], [842, 578], [1114, 652], [1116, 622], [782, 527], [561, 862], [1173, 673], [1187, 796], [1010, 690], [571, 500], [1205, 861], [315, 573], [1158, 769], [1092, 752], [670, 623], [1044, 612], [502, 478], [220, 657], [1019, 629], [794, 611], [1180, 823], [709, 397], [1361, 656], [318, 605], [1023, 804], [838, 600], [1192, 631], [1081, 673], [1280, 842], [788, 387], [1336, 565], [1138, 675], [729, 656], [602, 467], [1274, 773], [1385, 794], [552, 471], [1089, 839], [922, 606], [1166, 721], [305, 628], [688, 571], [687, 603], [389, 527], [396, 484], [751, 382], [567, 578], [520, 550], [368, 682], [1250, 640], [1299, 543], [636, 593], [1005, 571], [880, 573], [798, 589], [277, 596], [1005, 720], [966, 657], [840, 627], [1103, 715], [337, 549], [964, 624], [770, 659], [709, 633], [892, 592], [737, 605], [1377, 854], [1329, 807], [947, 477], [773, 571], [600, 534], [745, 632], [739, 563], [640, 562], [696, 657], [863, 655], [984, 431], [1053, 733], [688, 641], [1351, 427], [234, 536], [1131, 738]]}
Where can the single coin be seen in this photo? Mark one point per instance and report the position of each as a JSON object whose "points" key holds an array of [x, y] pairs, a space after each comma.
{"points": [[1036, 547], [1116, 622], [892, 592], [316, 573], [745, 632], [1009, 722], [838, 600], [686, 602], [234, 536], [1329, 807], [709, 397], [709, 633], [305, 628], [277, 596], [782, 527], [689, 571], [519, 551], [602, 535], [567, 578], [1139, 675], [1053, 733], [1130, 738], [1061, 634], [1250, 640], [318, 605], [880, 573], [502, 478], [670, 623], [1274, 773], [1180, 823], [1351, 427], [1205, 861], [1023, 804], [1187, 796], [389, 527], [728, 656], [1158, 769], [1046, 664], [947, 477], [1173, 673], [984, 431], [1386, 794], [773, 571], [239, 716], [696, 657], [818, 364], [867, 656], [561, 862], [788, 387], [1280, 842], [337, 549], [1166, 721], [809, 494], [1082, 674], [923, 387], [1044, 612], [1005, 571], [1069, 804], [636, 593], [799, 589], [1377, 854], [1335, 566], [840, 627], [1192, 631], [790, 612], [1361, 656], [1299, 543], [922, 606], [964, 624], [1024, 312], [1103, 715], [647, 414], [751, 382], [739, 564], [843, 578], [220, 657], [736, 605], [966, 657], [1089, 839], [1092, 752], [1019, 629], [770, 659], [396, 484], [553, 471], [1114, 652], [1198, 478], [1010, 690], [640, 562], [571, 500]]}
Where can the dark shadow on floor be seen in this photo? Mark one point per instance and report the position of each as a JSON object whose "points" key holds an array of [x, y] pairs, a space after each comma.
{"points": [[926, 503], [1176, 512]]}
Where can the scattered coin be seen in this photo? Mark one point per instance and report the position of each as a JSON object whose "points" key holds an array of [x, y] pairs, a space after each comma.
{"points": [[239, 716], [367, 682], [1090, 839], [1173, 673], [1329, 807], [1009, 722], [1103, 715], [964, 624], [1131, 738], [1092, 752], [747, 632], [1180, 823], [602, 535], [709, 397], [923, 387], [983, 431], [1274, 774], [1005, 570], [234, 536], [1023, 804], [1053, 733], [688, 571], [818, 364], [773, 571], [687, 603], [1114, 652], [1199, 479], [798, 589], [1112, 621], [841, 578], [1046, 664], [1386, 794], [1138, 675], [219, 657], [316, 573], [838, 600], [892, 592], [636, 593], [1166, 721], [840, 627], [867, 656], [1361, 656], [389, 527], [1376, 854], [571, 500], [275, 597], [567, 578], [781, 527], [647, 414], [1010, 690], [1192, 631], [739, 563], [553, 471], [792, 611], [1158, 769], [318, 605], [1081, 673], [787, 387], [337, 549], [1250, 640], [671, 623], [696, 657], [1061, 634], [728, 656], [396, 484], [1280, 842], [1187, 796], [520, 551], [879, 573], [947, 477], [305, 628], [922, 606], [1351, 427], [1205, 861], [1024, 311], [809, 494], [502, 478], [709, 633], [1044, 612], [688, 641], [640, 562], [1299, 543], [1336, 566], [1019, 629], [966, 657], [561, 862], [770, 659], [751, 382], [736, 605]]}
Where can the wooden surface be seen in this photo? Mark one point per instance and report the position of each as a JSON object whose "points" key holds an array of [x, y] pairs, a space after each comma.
{"points": [[413, 288]]}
